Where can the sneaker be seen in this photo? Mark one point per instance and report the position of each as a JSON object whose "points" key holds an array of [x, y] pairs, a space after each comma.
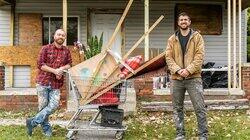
{"points": [[29, 126], [180, 137], [48, 133], [202, 138]]}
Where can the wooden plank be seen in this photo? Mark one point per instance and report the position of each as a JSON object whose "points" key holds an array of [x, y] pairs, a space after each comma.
{"points": [[115, 83], [146, 26], [139, 41], [83, 70], [142, 37], [109, 45], [65, 15]]}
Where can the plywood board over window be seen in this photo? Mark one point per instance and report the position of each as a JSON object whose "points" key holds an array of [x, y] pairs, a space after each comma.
{"points": [[206, 18], [30, 29]]}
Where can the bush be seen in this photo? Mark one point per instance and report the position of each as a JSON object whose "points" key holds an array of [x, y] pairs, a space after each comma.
{"points": [[94, 46]]}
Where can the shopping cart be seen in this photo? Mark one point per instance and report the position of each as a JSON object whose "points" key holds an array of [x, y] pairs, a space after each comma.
{"points": [[104, 105]]}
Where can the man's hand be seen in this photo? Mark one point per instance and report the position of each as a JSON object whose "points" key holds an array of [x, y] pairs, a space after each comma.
{"points": [[58, 71], [183, 73], [58, 77]]}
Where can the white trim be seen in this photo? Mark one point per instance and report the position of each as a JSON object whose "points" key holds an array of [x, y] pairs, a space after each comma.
{"points": [[240, 43], [229, 42]]}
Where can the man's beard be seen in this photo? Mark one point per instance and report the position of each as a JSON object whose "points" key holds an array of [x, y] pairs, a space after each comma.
{"points": [[59, 41], [185, 28]]}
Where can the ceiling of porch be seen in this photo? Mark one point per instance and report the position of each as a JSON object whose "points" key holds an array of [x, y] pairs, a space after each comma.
{"points": [[245, 3]]}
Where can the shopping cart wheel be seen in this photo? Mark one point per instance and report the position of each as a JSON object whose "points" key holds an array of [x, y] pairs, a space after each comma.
{"points": [[119, 135], [71, 135]]}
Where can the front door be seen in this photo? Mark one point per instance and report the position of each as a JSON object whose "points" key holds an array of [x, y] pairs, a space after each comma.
{"points": [[107, 23]]}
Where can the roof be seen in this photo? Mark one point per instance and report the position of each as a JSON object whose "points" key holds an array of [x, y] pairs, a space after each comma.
{"points": [[4, 2]]}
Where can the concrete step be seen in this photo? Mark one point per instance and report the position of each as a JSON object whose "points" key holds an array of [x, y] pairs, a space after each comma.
{"points": [[211, 105], [209, 94]]}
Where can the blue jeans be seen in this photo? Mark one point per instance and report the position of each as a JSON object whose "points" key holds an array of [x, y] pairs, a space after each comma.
{"points": [[48, 102], [195, 90]]}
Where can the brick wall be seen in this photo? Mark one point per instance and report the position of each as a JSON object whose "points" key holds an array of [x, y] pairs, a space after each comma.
{"points": [[144, 83], [246, 80]]}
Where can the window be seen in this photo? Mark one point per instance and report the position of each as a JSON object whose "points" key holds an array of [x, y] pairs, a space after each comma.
{"points": [[50, 24], [17, 76], [206, 18]]}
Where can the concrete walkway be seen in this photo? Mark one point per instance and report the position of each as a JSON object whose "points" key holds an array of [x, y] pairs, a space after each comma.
{"points": [[7, 122]]}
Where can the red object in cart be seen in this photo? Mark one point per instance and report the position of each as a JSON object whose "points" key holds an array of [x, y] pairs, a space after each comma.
{"points": [[109, 97]]}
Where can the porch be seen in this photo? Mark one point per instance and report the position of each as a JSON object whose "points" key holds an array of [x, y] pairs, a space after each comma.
{"points": [[223, 46]]}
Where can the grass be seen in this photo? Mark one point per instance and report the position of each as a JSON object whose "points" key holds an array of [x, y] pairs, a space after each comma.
{"points": [[222, 125], [233, 125], [19, 133]]}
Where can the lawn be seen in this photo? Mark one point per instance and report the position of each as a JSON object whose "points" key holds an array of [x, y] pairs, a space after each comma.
{"points": [[233, 125]]}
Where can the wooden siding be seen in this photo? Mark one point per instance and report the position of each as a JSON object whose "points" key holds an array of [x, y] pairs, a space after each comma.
{"points": [[5, 25]]}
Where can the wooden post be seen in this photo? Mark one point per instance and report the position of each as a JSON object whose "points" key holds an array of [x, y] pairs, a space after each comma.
{"points": [[146, 24], [112, 39], [239, 42], [12, 18], [65, 10], [229, 42]]}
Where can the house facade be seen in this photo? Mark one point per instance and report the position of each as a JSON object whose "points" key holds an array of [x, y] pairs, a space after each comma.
{"points": [[26, 25]]}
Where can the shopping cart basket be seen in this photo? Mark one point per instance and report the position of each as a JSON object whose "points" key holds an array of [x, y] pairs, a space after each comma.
{"points": [[108, 117]]}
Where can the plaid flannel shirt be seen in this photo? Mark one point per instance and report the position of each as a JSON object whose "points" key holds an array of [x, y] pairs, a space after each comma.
{"points": [[53, 57]]}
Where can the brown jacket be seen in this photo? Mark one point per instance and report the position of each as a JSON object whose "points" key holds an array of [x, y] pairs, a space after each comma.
{"points": [[193, 57]]}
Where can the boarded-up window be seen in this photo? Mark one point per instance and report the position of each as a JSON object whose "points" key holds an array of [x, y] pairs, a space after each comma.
{"points": [[206, 18], [30, 29]]}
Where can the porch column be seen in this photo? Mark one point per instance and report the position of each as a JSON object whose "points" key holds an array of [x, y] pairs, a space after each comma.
{"points": [[12, 18], [146, 26], [234, 45], [239, 9], [229, 42], [65, 10]]}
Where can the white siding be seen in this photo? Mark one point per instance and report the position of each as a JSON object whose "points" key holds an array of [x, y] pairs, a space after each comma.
{"points": [[5, 25], [216, 45]]}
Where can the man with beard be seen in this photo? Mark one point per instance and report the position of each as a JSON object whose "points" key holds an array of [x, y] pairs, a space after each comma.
{"points": [[53, 59], [184, 57]]}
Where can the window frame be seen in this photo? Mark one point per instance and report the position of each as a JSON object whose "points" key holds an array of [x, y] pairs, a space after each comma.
{"points": [[57, 16]]}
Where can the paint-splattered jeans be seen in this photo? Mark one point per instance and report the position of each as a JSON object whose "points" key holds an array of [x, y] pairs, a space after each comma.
{"points": [[195, 90], [48, 101]]}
